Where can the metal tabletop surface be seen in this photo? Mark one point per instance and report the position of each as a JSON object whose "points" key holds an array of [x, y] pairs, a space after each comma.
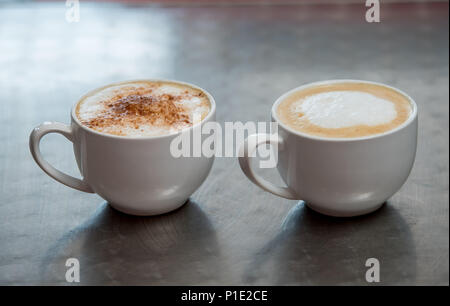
{"points": [[230, 232]]}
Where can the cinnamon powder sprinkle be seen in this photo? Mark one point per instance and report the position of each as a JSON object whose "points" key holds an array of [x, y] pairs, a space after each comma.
{"points": [[134, 110]]}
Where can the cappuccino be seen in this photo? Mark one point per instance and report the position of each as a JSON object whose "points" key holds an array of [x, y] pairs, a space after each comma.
{"points": [[344, 110], [143, 108]]}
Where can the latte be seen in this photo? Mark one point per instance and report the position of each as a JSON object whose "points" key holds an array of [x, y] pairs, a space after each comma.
{"points": [[344, 110], [143, 108]]}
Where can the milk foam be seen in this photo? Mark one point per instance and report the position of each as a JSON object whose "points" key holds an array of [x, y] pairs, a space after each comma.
{"points": [[341, 109], [194, 106]]}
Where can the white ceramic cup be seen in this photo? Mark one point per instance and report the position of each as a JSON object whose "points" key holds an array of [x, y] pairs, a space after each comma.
{"points": [[138, 176], [337, 176]]}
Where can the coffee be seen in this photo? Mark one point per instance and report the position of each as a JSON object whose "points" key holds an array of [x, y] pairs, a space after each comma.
{"points": [[143, 108], [344, 110]]}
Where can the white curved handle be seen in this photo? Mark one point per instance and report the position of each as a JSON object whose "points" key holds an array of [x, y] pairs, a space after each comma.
{"points": [[246, 150], [35, 139]]}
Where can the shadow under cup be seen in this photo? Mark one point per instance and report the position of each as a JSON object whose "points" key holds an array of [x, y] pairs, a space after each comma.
{"points": [[137, 176], [340, 176]]}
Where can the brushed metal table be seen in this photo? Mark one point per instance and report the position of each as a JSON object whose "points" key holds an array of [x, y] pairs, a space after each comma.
{"points": [[230, 232]]}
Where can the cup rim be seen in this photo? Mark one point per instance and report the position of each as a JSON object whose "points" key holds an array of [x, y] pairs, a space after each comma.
{"points": [[411, 118], [207, 118]]}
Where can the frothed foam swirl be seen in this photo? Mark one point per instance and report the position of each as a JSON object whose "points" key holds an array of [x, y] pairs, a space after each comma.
{"points": [[143, 108], [339, 109], [344, 110]]}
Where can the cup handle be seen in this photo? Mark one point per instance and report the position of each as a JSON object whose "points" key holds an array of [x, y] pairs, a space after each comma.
{"points": [[250, 144], [35, 139]]}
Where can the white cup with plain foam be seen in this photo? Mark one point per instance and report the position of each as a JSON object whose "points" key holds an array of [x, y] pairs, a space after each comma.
{"points": [[344, 146], [135, 174]]}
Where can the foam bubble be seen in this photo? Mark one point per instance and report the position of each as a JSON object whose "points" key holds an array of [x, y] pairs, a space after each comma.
{"points": [[91, 106], [194, 104], [340, 109]]}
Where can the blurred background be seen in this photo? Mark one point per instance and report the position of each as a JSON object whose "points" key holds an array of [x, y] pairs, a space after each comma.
{"points": [[246, 54]]}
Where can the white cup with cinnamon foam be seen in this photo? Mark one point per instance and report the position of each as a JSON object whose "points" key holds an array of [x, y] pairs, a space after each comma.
{"points": [[121, 135], [344, 146]]}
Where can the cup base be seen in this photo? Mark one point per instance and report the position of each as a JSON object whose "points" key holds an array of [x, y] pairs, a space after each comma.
{"points": [[336, 213], [147, 212]]}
